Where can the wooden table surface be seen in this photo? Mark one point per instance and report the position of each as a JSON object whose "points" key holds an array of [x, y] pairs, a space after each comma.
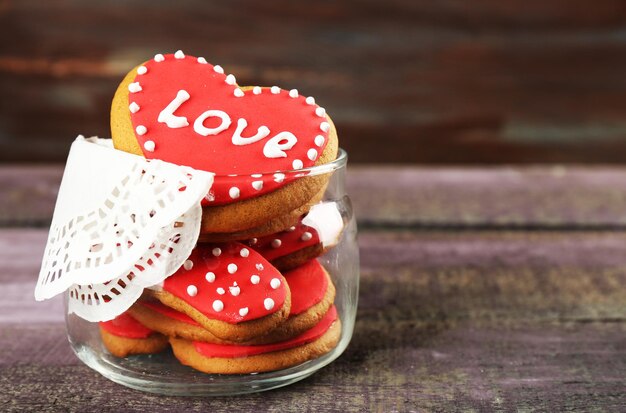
{"points": [[500, 289]]}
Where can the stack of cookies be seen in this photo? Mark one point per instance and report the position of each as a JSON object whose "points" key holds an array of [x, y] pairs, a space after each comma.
{"points": [[252, 296]]}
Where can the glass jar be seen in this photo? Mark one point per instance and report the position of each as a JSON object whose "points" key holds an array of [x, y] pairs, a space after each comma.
{"points": [[162, 373]]}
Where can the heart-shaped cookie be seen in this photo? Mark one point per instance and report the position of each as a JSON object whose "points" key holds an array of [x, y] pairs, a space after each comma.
{"points": [[184, 110], [230, 290]]}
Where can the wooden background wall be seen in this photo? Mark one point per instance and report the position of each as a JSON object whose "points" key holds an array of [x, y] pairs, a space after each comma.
{"points": [[481, 81]]}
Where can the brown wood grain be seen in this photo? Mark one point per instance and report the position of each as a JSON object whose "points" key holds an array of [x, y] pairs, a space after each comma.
{"points": [[405, 81], [479, 320], [425, 197]]}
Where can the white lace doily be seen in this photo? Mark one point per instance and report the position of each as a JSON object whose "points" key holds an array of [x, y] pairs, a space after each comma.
{"points": [[121, 223]]}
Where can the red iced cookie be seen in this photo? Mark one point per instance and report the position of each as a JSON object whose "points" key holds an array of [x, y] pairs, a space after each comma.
{"points": [[124, 336], [189, 112], [230, 290]]}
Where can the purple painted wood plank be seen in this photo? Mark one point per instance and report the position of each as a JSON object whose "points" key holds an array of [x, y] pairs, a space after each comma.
{"points": [[545, 276], [445, 197], [495, 196]]}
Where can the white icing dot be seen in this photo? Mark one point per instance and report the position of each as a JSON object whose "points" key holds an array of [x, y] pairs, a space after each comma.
{"points": [[312, 154], [306, 236], [141, 130], [232, 268], [218, 306], [268, 303], [291, 229], [253, 241], [256, 175], [279, 177], [325, 126], [192, 290], [259, 267], [256, 90], [230, 79], [234, 192], [319, 140], [258, 185], [244, 252], [188, 265], [293, 93], [149, 146], [159, 57], [310, 100], [179, 54], [218, 69], [255, 279], [221, 291], [133, 107], [142, 70], [297, 164], [276, 243], [234, 290], [202, 60], [275, 90], [275, 283], [238, 93], [134, 87], [243, 311], [210, 276], [216, 252], [320, 112]]}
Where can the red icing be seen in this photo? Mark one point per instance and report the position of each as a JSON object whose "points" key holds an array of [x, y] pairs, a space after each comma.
{"points": [[216, 153], [308, 284], [169, 312], [250, 296], [126, 326], [234, 351], [290, 241]]}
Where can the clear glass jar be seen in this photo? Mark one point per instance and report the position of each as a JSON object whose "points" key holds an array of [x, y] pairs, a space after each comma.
{"points": [[162, 373]]}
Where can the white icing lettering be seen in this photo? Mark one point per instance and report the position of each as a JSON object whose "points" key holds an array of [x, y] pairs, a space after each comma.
{"points": [[203, 130], [167, 115], [238, 140], [276, 146]]}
